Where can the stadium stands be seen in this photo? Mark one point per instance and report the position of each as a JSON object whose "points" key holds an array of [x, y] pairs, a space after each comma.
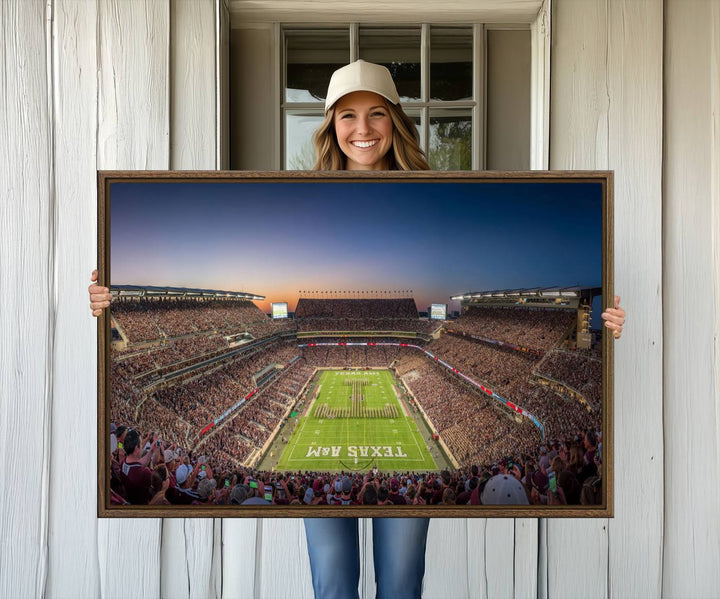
{"points": [[356, 308], [529, 327], [141, 320], [360, 315], [178, 371], [578, 371], [575, 461]]}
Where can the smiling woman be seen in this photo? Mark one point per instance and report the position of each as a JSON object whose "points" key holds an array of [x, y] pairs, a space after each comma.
{"points": [[364, 130], [365, 127]]}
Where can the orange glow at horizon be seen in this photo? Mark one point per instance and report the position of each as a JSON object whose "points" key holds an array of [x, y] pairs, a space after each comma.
{"points": [[292, 297], [265, 305]]}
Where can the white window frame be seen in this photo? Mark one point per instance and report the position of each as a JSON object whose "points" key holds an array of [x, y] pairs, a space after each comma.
{"points": [[536, 14], [476, 107]]}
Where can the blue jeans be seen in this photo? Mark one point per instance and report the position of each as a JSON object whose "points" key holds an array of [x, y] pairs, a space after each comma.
{"points": [[398, 551]]}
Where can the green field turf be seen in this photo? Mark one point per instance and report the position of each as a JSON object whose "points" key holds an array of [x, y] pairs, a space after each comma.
{"points": [[389, 440]]}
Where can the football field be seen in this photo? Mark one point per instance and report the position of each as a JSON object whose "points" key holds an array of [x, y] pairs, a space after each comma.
{"points": [[355, 422]]}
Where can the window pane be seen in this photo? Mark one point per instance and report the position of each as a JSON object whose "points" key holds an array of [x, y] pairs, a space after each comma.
{"points": [[450, 145], [451, 55], [399, 51], [311, 57], [299, 149]]}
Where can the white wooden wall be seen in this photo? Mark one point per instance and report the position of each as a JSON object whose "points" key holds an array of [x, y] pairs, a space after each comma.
{"points": [[691, 294], [635, 87], [606, 112]]}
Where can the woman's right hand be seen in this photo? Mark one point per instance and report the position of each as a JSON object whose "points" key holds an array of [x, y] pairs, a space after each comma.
{"points": [[99, 296]]}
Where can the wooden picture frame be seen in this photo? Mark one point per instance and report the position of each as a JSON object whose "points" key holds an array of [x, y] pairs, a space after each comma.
{"points": [[163, 224]]}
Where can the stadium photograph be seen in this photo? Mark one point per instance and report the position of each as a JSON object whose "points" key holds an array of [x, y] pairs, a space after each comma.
{"points": [[320, 343]]}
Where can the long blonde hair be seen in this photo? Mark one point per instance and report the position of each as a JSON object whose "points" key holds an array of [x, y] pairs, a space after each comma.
{"points": [[405, 154]]}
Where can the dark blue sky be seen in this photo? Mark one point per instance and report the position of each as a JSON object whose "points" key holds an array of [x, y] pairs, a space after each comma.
{"points": [[438, 239]]}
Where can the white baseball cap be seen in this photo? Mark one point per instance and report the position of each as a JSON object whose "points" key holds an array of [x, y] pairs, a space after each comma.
{"points": [[361, 76], [504, 489]]}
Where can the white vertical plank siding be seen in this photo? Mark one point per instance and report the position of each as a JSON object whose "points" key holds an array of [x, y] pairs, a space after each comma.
{"points": [[216, 565], [187, 558], [542, 566], [129, 557], [187, 544], [577, 550], [526, 555], [692, 397], [73, 513], [239, 558], [499, 540], [282, 565], [715, 202], [635, 124], [133, 125], [367, 561], [193, 85], [490, 557], [476, 579], [607, 113], [26, 302], [446, 559], [579, 100], [134, 84]]}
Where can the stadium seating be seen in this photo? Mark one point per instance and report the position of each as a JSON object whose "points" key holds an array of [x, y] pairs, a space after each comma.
{"points": [[178, 372]]}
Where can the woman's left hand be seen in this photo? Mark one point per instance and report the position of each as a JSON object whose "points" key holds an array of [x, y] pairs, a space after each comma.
{"points": [[615, 318], [100, 297]]}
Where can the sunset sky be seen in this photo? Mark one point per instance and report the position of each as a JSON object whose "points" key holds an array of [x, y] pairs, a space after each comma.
{"points": [[276, 239]]}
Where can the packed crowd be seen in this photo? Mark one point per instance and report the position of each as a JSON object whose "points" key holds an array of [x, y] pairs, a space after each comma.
{"points": [[535, 328], [203, 396], [164, 358], [380, 356], [467, 423], [356, 308], [249, 429], [414, 325], [143, 320], [511, 375], [171, 427], [577, 370], [473, 428], [360, 315], [557, 412], [196, 398], [146, 470], [497, 368]]}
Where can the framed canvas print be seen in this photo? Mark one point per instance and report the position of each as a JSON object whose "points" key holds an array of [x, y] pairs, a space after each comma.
{"points": [[355, 344]]}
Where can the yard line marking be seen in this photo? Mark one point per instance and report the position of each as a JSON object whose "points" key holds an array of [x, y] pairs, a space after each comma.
{"points": [[339, 432]]}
